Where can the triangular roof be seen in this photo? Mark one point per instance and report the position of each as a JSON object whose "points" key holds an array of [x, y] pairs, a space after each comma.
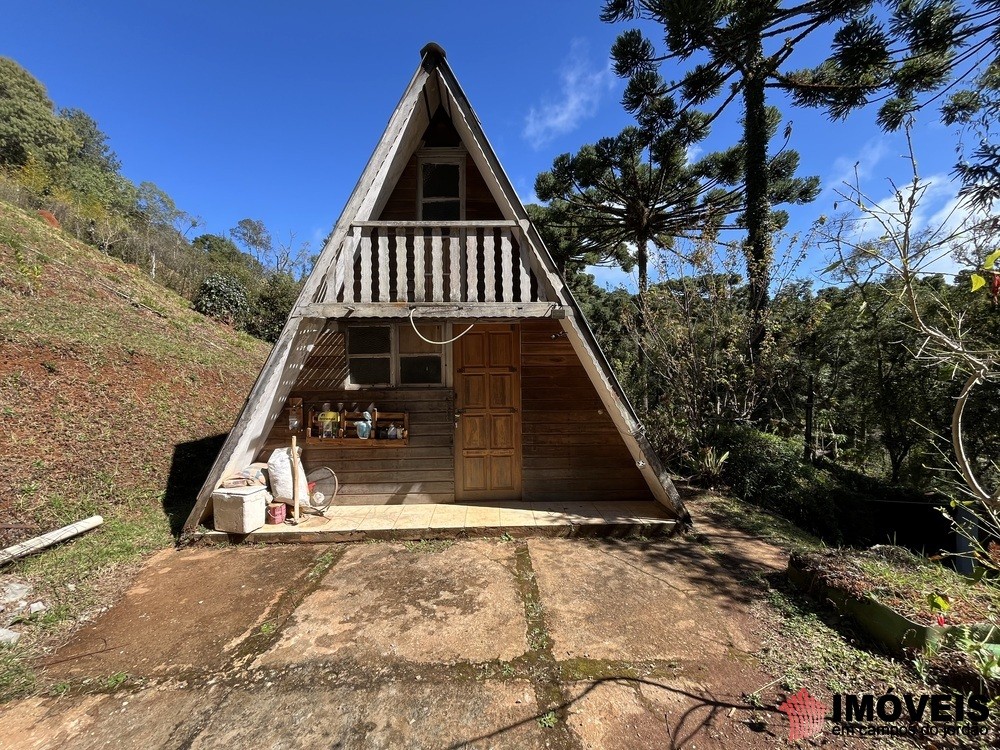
{"points": [[433, 87]]}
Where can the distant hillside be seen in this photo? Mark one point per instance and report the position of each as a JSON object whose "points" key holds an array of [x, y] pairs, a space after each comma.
{"points": [[107, 384]]}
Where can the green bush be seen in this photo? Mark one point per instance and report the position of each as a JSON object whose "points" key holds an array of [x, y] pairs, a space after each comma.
{"points": [[223, 297], [768, 470]]}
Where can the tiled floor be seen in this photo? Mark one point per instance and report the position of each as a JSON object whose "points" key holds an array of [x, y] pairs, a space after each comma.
{"points": [[349, 522]]}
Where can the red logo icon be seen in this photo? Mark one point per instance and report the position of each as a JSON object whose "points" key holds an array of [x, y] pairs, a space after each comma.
{"points": [[805, 715]]}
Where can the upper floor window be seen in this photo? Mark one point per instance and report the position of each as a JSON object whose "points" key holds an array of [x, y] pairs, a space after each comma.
{"points": [[441, 187]]}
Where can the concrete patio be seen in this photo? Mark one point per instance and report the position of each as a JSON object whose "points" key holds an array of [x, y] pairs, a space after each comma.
{"points": [[344, 523], [519, 644]]}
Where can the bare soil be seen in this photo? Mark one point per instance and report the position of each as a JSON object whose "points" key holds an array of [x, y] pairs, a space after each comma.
{"points": [[905, 582]]}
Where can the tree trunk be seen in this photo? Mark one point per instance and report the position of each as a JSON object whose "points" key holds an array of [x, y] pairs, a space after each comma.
{"points": [[809, 452], [642, 260], [757, 247]]}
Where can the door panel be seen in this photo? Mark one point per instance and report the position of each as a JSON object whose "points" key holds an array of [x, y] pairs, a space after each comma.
{"points": [[475, 432], [502, 472], [501, 390], [502, 432], [488, 389], [473, 390]]}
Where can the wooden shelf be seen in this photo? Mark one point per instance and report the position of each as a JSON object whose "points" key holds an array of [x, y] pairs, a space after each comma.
{"points": [[380, 420]]}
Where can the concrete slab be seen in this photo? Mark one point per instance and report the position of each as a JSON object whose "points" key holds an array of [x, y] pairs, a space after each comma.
{"points": [[628, 714], [383, 602], [466, 713], [398, 715], [414, 517], [381, 517], [482, 517], [605, 599], [199, 603], [517, 517], [156, 718]]}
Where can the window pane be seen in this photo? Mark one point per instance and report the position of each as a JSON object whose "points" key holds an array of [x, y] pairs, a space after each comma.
{"points": [[411, 343], [442, 211], [441, 180], [368, 340], [369, 370], [420, 370]]}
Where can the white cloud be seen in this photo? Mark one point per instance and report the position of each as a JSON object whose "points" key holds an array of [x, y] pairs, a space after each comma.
{"points": [[939, 211], [583, 87], [859, 166], [691, 153]]}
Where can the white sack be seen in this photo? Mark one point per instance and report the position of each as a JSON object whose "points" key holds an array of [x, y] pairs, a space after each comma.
{"points": [[279, 472]]}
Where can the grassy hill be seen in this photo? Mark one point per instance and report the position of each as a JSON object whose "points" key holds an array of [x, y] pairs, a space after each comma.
{"points": [[112, 395]]}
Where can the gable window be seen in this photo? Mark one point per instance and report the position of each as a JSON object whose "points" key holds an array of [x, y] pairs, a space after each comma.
{"points": [[441, 187], [393, 354]]}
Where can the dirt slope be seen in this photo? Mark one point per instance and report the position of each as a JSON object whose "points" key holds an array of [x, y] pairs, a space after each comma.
{"points": [[112, 393]]}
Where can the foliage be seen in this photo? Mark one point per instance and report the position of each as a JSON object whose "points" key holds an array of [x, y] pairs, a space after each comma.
{"points": [[29, 125], [625, 195], [271, 306], [736, 40], [949, 340], [254, 236], [63, 163], [223, 298]]}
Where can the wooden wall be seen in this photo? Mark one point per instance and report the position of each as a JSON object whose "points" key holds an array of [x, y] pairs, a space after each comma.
{"points": [[421, 472], [572, 449], [479, 203]]}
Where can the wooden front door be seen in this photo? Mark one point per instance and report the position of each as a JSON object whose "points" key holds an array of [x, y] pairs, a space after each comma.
{"points": [[488, 423]]}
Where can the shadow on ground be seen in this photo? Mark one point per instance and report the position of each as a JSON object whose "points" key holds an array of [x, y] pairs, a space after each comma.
{"points": [[189, 468]]}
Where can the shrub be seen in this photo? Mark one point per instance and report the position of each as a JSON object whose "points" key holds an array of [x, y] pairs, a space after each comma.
{"points": [[768, 470], [223, 298]]}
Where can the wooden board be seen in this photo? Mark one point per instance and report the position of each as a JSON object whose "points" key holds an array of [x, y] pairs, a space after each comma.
{"points": [[571, 447], [384, 471]]}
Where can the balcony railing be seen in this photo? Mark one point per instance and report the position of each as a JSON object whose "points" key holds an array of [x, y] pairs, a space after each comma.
{"points": [[432, 261]]}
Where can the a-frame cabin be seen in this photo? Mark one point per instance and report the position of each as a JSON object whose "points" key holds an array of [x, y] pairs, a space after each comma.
{"points": [[522, 406]]}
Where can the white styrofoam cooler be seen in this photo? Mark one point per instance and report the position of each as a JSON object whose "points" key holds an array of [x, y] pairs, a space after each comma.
{"points": [[240, 510]]}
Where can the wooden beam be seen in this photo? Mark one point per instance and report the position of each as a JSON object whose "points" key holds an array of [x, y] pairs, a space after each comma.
{"points": [[437, 266], [383, 167], [506, 266], [384, 295], [465, 310], [455, 266], [401, 292], [435, 224]]}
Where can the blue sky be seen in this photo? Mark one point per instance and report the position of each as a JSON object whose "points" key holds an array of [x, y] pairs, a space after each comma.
{"points": [[270, 110]]}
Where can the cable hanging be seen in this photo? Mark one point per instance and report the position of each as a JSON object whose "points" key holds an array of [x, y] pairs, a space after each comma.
{"points": [[436, 343]]}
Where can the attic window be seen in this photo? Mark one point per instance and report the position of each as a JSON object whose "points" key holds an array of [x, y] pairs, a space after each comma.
{"points": [[441, 188]]}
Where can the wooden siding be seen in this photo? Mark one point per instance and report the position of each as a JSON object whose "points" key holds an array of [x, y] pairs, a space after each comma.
{"points": [[479, 203], [571, 448], [421, 472]]}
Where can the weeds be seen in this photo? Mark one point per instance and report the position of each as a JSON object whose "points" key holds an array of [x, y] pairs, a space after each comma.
{"points": [[17, 678], [548, 720]]}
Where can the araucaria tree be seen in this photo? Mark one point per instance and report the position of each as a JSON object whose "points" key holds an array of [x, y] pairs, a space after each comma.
{"points": [[739, 50], [626, 195]]}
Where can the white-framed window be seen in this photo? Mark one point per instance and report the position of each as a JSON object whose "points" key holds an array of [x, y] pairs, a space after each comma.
{"points": [[392, 354], [441, 185]]}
